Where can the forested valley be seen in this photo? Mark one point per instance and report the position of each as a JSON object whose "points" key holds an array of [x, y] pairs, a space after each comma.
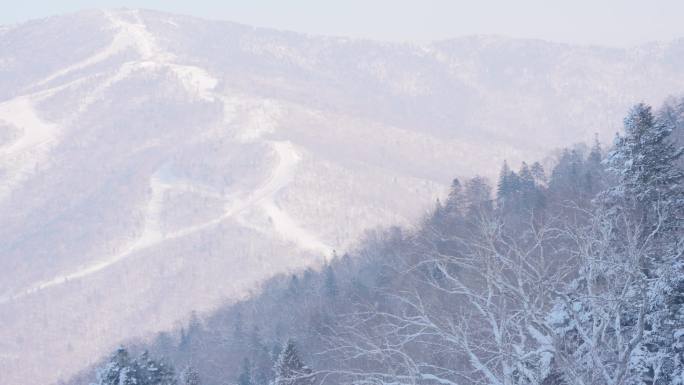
{"points": [[567, 276]]}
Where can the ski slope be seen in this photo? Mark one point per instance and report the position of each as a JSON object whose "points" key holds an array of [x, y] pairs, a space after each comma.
{"points": [[263, 198]]}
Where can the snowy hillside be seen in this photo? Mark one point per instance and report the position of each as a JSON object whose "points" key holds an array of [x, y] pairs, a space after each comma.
{"points": [[154, 164]]}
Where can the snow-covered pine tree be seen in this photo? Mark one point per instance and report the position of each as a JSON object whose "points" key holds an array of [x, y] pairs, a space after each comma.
{"points": [[650, 189], [620, 320], [672, 113], [149, 371], [649, 181], [118, 370], [122, 370], [290, 370]]}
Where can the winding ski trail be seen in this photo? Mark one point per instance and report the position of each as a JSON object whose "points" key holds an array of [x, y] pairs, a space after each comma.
{"points": [[198, 82]]}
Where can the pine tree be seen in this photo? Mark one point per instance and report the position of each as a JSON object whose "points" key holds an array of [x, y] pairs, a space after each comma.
{"points": [[538, 173], [308, 279], [276, 349], [295, 287], [503, 187], [644, 160], [191, 335], [478, 197], [245, 377], [508, 189], [290, 370], [672, 114], [118, 370], [525, 174], [596, 153], [621, 318], [152, 372], [194, 325], [122, 370], [330, 283], [566, 178], [453, 205], [594, 176], [255, 344], [164, 343], [238, 330], [184, 342], [650, 191], [530, 197]]}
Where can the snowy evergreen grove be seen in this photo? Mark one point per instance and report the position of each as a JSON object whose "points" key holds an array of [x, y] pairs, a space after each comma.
{"points": [[122, 370], [575, 277]]}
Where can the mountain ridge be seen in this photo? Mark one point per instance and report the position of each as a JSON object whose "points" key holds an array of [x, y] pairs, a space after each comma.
{"points": [[474, 36], [212, 155]]}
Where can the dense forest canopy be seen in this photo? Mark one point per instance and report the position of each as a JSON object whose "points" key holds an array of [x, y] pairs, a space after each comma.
{"points": [[568, 277]]}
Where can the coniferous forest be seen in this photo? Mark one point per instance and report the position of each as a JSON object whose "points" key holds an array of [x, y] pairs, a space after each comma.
{"points": [[572, 275]]}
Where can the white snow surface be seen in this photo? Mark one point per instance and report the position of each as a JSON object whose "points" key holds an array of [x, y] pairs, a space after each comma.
{"points": [[19, 158]]}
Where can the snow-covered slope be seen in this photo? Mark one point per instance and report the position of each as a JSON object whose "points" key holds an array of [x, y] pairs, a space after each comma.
{"points": [[154, 164]]}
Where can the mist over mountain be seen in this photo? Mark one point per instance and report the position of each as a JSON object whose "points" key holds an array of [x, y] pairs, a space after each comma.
{"points": [[153, 164]]}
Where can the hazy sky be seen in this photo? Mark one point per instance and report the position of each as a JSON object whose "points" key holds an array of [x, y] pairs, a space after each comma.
{"points": [[611, 22]]}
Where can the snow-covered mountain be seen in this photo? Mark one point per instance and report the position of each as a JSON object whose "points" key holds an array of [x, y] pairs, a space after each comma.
{"points": [[153, 164]]}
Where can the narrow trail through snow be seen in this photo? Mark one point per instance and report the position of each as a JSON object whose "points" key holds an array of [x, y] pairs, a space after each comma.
{"points": [[263, 197]]}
